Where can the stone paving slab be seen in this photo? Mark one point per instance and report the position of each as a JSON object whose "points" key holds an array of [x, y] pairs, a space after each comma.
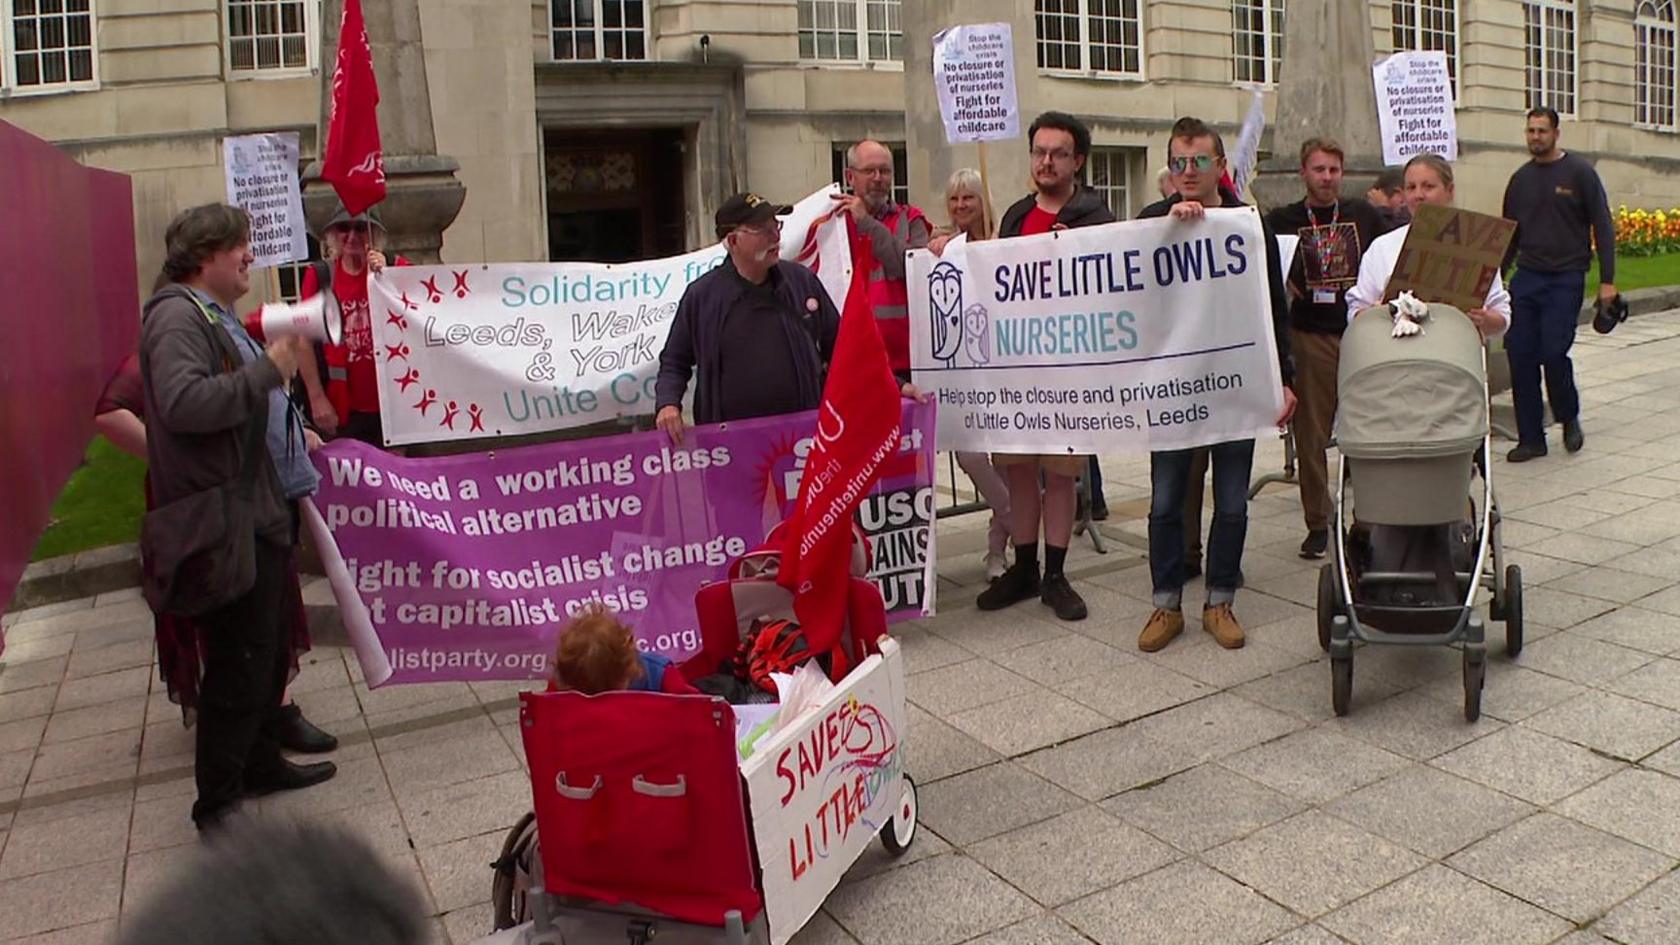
{"points": [[1073, 789]]}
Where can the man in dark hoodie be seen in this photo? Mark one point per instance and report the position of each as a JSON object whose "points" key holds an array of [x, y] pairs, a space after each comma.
{"points": [[759, 331], [1060, 144], [1196, 157], [210, 393]]}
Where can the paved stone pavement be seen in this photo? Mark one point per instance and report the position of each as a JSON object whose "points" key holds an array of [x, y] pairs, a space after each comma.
{"points": [[1073, 789]]}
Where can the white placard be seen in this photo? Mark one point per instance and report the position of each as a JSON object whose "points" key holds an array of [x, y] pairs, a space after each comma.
{"points": [[262, 180], [822, 788], [515, 348], [974, 74], [1124, 338], [1247, 152], [1415, 106]]}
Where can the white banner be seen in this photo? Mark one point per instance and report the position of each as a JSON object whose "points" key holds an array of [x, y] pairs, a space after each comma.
{"points": [[262, 180], [822, 788], [974, 74], [507, 349], [1124, 338], [1415, 106]]}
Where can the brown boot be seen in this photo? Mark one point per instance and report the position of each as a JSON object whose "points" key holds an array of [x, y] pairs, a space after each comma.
{"points": [[1163, 625], [1219, 621]]}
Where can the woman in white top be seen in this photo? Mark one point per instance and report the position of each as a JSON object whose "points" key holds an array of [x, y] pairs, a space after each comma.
{"points": [[970, 214], [1429, 179]]}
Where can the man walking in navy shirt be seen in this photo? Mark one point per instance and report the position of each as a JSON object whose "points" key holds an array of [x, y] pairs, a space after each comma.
{"points": [[1556, 198]]}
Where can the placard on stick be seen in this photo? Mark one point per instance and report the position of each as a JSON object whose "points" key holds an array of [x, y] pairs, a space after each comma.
{"points": [[1415, 106], [974, 75], [262, 180], [1450, 256]]}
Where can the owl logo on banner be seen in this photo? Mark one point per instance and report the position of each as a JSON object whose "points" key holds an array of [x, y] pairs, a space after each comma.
{"points": [[956, 328]]}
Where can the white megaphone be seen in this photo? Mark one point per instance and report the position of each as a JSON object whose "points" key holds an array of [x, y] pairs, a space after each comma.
{"points": [[317, 318]]}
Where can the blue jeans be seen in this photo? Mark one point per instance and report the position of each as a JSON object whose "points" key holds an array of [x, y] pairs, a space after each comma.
{"points": [[1169, 475], [1544, 309]]}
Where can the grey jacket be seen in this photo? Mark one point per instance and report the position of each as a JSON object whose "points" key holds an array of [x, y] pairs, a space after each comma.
{"points": [[201, 405]]}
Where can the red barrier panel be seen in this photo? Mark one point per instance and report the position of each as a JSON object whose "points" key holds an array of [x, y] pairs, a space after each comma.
{"points": [[69, 314]]}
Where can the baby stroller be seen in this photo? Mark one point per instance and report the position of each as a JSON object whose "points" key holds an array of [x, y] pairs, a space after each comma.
{"points": [[1412, 429], [648, 824]]}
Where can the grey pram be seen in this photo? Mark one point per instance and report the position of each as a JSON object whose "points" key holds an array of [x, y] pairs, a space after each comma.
{"points": [[1405, 568]]}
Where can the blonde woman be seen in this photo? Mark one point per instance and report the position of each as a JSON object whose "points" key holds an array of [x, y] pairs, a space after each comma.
{"points": [[970, 214], [1429, 179]]}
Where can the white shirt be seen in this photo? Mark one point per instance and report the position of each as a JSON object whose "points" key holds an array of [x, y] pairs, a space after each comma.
{"points": [[1377, 266]]}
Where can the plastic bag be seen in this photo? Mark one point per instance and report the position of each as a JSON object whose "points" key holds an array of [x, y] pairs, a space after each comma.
{"points": [[805, 688]]}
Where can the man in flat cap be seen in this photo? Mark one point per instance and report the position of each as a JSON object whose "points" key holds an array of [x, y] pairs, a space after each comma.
{"points": [[756, 332]]}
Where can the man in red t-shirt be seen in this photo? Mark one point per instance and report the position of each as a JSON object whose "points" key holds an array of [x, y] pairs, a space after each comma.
{"points": [[1060, 144], [344, 394]]}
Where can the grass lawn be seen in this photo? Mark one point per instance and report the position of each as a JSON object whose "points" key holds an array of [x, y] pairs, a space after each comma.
{"points": [[100, 505], [1639, 272]]}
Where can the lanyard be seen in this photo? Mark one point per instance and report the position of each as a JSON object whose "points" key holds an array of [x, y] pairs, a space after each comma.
{"points": [[1335, 215]]}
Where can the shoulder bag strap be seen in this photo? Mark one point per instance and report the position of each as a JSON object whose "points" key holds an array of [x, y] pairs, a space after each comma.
{"points": [[255, 430]]}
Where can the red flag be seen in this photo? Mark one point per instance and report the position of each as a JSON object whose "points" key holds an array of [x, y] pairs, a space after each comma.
{"points": [[857, 431], [354, 162]]}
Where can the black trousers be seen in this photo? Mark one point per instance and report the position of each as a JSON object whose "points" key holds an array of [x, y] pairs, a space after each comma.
{"points": [[245, 669]]}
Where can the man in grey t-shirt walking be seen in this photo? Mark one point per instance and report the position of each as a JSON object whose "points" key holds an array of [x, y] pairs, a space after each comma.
{"points": [[1559, 205]]}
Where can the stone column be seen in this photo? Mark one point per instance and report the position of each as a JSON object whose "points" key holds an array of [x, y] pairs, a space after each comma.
{"points": [[931, 159], [422, 194], [1324, 89]]}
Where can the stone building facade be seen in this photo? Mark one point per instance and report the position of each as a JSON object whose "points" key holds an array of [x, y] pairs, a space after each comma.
{"points": [[611, 129]]}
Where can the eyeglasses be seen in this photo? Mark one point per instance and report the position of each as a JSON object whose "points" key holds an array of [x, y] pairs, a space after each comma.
{"points": [[771, 229], [1181, 164], [1059, 155], [873, 171]]}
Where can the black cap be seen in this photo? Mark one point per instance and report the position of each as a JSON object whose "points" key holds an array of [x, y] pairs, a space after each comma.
{"points": [[748, 209]]}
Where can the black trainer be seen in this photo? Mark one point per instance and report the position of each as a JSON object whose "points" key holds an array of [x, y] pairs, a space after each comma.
{"points": [[1316, 543], [1059, 596], [1573, 438], [1523, 452], [1017, 584]]}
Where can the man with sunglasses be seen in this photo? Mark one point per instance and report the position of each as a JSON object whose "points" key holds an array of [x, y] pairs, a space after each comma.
{"points": [[1060, 144], [347, 404], [1196, 157], [892, 229], [757, 330]]}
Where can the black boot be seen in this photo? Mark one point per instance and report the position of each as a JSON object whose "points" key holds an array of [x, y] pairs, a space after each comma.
{"points": [[296, 733]]}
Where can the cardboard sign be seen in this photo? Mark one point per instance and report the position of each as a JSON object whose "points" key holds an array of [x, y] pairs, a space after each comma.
{"points": [[1450, 256], [823, 787], [974, 74]]}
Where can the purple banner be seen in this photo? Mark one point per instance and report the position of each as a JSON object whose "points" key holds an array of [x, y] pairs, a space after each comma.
{"points": [[466, 567]]}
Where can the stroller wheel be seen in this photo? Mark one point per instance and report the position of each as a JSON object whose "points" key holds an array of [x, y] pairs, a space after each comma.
{"points": [[1326, 604], [897, 834], [1341, 684], [1513, 611], [1475, 672]]}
